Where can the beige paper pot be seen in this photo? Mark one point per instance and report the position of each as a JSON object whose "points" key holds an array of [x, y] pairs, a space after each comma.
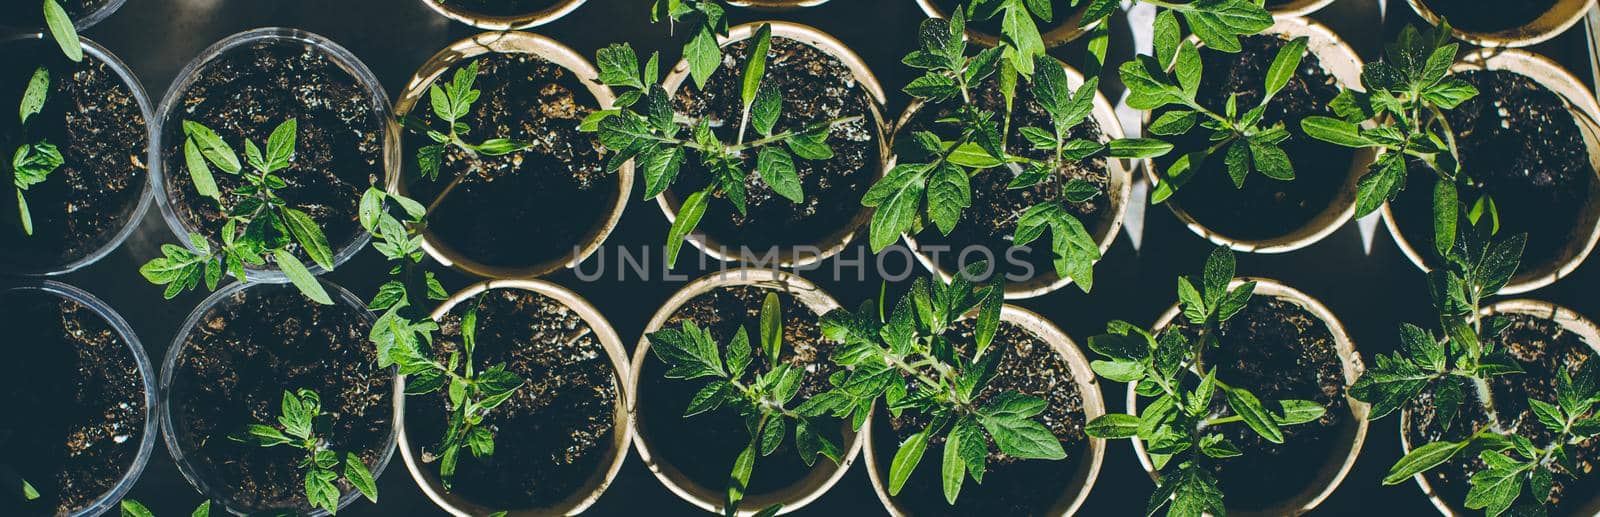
{"points": [[427, 474], [1561, 16], [416, 92], [710, 498], [1586, 113], [1066, 502], [1569, 320], [1298, 7], [1119, 187], [1352, 434], [797, 254], [505, 22], [776, 5], [1340, 61], [1064, 31]]}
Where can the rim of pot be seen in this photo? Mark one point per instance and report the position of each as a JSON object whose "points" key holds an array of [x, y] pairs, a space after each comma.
{"points": [[1298, 8], [1119, 190], [819, 480], [1560, 17], [152, 160], [147, 375], [426, 475], [835, 242], [96, 16], [1064, 32], [550, 50], [1093, 407], [1341, 62], [1353, 434], [1586, 114], [169, 365], [172, 103], [1569, 320], [776, 5], [509, 22]]}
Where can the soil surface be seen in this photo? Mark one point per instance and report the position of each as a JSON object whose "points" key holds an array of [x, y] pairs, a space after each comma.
{"points": [[93, 118], [816, 87], [1265, 208], [248, 92], [704, 446], [1278, 351], [527, 207], [554, 433], [1010, 486], [500, 7], [992, 219], [238, 361], [1489, 15], [33, 12], [1543, 347], [76, 400], [1521, 142]]}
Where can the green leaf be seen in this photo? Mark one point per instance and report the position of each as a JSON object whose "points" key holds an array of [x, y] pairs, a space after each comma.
{"points": [[1248, 407], [1334, 131], [619, 66], [1495, 488], [905, 461], [772, 436], [738, 354], [204, 510], [1113, 426], [1450, 93], [130, 508], [320, 490], [1022, 438], [764, 113], [1217, 446], [776, 168], [261, 436], [199, 172], [302, 279], [1446, 211], [694, 207], [1299, 412], [1174, 122], [1138, 148], [1421, 459], [212, 147], [755, 66], [1383, 180], [1499, 263], [62, 30], [1219, 271], [1284, 66], [900, 191], [949, 193], [661, 168], [771, 327], [688, 350], [954, 470], [1023, 38], [280, 145], [357, 474], [34, 96], [1271, 160], [309, 236], [704, 56]]}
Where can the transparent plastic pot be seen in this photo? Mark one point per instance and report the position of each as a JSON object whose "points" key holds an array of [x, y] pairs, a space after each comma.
{"points": [[82, 24], [147, 375], [173, 101], [169, 365], [94, 50]]}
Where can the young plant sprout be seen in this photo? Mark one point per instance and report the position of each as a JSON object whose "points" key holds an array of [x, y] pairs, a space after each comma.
{"points": [[62, 30], [259, 222], [298, 427], [1465, 358], [644, 128], [934, 184], [32, 163], [1179, 427], [132, 508], [701, 51], [908, 361], [761, 394], [451, 103], [1406, 97], [15, 485], [1172, 78]]}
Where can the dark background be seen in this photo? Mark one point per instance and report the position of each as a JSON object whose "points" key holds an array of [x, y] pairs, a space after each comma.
{"points": [[1371, 292]]}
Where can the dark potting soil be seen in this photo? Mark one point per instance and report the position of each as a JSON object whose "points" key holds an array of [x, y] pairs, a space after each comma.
{"points": [[1010, 486], [816, 87], [30, 13], [704, 446], [1489, 15], [1278, 351], [527, 207], [500, 7], [555, 432], [237, 362], [1544, 348], [244, 95], [992, 219], [76, 401], [1265, 208], [1521, 142], [94, 120]]}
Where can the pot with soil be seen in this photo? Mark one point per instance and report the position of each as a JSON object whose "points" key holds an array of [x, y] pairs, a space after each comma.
{"points": [[229, 367], [84, 13], [97, 116], [1063, 29], [1038, 360], [503, 15], [532, 211], [243, 88], [1268, 215], [992, 219], [1546, 339], [819, 80], [691, 456], [1493, 23], [1283, 345], [560, 437], [81, 396], [1529, 140]]}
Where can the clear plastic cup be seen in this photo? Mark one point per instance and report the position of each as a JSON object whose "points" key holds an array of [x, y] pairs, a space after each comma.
{"points": [[173, 100], [153, 159], [169, 365], [82, 24], [147, 374]]}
